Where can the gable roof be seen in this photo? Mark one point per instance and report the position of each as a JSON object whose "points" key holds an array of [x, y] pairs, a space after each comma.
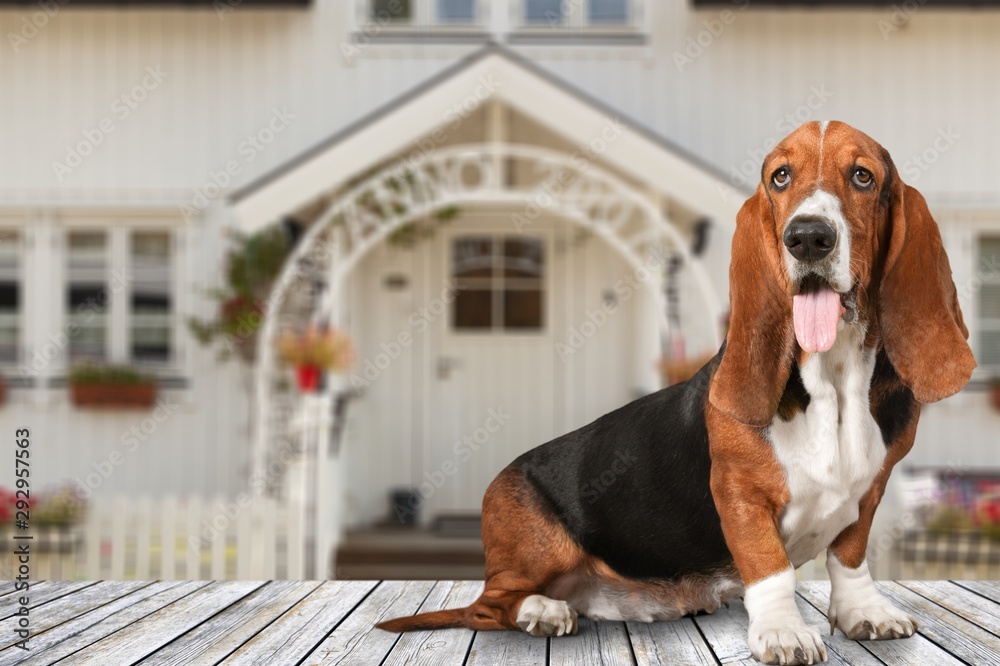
{"points": [[523, 85]]}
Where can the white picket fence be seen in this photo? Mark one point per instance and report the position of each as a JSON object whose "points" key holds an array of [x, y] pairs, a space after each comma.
{"points": [[171, 538]]}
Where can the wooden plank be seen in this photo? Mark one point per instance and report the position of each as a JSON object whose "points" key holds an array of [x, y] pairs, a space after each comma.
{"points": [[356, 641], [725, 631], [679, 642], [917, 650], [213, 640], [296, 633], [140, 639], [507, 648], [431, 648], [962, 638], [961, 598], [987, 588], [839, 648], [594, 643], [40, 593], [69, 606], [70, 637]]}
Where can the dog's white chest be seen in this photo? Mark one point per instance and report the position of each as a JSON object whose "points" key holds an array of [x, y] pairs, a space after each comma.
{"points": [[832, 451]]}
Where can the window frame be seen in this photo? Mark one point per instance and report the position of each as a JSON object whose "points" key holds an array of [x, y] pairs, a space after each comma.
{"points": [[579, 20], [119, 231], [979, 321], [9, 367], [503, 21], [494, 333], [423, 21]]}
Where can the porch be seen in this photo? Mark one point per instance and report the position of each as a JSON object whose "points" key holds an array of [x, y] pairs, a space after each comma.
{"points": [[295, 622]]}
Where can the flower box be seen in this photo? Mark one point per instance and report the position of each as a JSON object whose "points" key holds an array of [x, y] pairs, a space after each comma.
{"points": [[110, 386], [137, 396]]}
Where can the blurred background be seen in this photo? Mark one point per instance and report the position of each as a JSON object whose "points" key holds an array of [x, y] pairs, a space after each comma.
{"points": [[285, 283]]}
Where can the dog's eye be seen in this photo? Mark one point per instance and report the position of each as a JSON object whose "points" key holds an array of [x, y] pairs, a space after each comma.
{"points": [[862, 177], [781, 178]]}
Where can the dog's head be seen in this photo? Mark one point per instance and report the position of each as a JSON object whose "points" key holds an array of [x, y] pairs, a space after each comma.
{"points": [[833, 238]]}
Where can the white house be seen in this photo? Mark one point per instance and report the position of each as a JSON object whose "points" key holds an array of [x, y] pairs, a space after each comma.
{"points": [[517, 208]]}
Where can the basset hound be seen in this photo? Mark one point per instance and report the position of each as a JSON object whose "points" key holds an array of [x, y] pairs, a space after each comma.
{"points": [[844, 320]]}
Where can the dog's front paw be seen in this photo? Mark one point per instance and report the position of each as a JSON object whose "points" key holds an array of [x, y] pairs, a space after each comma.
{"points": [[541, 616], [872, 621], [786, 641]]}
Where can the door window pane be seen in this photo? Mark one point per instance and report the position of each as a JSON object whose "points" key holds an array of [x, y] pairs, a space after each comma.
{"points": [[522, 309], [473, 309], [87, 294]]}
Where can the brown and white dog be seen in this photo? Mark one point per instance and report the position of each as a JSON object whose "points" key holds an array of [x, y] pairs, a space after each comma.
{"points": [[844, 320]]}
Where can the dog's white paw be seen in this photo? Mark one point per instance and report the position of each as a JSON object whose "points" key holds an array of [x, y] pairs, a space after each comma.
{"points": [[873, 621], [859, 610], [785, 641], [541, 616]]}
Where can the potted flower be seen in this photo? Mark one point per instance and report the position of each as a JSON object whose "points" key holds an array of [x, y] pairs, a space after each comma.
{"points": [[253, 263], [314, 350], [93, 385]]}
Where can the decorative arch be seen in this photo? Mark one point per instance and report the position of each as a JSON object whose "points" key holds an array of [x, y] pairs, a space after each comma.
{"points": [[530, 179]]}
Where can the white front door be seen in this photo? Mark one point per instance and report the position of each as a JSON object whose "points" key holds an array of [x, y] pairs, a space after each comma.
{"points": [[493, 368]]}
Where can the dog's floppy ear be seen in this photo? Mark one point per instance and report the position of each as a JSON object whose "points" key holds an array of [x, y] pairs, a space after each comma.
{"points": [[919, 316], [756, 363]]}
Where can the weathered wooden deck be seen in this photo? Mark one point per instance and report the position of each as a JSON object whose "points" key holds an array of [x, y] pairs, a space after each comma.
{"points": [[294, 622]]}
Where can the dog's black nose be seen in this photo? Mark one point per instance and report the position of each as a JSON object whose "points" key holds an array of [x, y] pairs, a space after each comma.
{"points": [[810, 238]]}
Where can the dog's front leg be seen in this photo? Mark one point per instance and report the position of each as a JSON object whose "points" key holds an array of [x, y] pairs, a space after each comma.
{"points": [[856, 606], [749, 490]]}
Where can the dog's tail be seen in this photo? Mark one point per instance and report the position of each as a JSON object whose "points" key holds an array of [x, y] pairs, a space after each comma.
{"points": [[443, 619]]}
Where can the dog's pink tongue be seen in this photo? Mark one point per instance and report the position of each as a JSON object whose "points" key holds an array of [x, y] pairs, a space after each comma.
{"points": [[816, 315]]}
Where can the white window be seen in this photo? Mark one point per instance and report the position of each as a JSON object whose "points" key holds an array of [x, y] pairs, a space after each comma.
{"points": [[425, 14], [579, 15], [988, 308], [516, 21], [119, 296], [10, 296]]}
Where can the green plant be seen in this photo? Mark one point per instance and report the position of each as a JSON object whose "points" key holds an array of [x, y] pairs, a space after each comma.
{"points": [[253, 263], [92, 373]]}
